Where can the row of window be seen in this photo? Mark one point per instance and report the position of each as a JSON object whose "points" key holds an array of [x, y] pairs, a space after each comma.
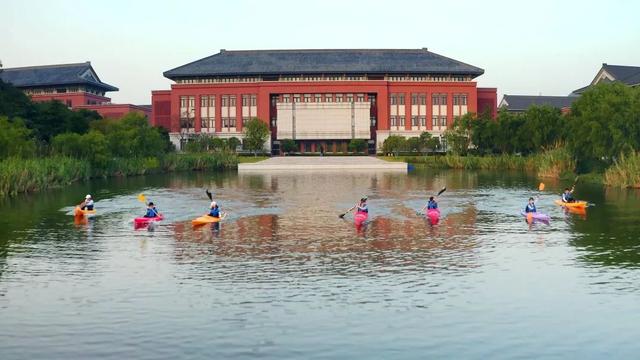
{"points": [[436, 120], [421, 99], [210, 122], [210, 101], [64, 90], [326, 98]]}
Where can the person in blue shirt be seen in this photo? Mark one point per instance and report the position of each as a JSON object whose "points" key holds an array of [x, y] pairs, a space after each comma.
{"points": [[531, 206], [431, 204], [567, 196], [151, 211], [214, 210]]}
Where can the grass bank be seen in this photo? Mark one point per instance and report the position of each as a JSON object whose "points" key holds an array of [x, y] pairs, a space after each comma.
{"points": [[552, 163], [28, 175], [625, 172]]}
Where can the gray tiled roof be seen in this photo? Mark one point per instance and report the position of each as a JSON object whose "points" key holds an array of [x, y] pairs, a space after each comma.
{"points": [[628, 75], [341, 61], [52, 75], [523, 102]]}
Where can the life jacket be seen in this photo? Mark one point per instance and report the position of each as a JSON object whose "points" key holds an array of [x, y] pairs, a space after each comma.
{"points": [[567, 197], [363, 208], [153, 212], [215, 212], [432, 204], [530, 208]]}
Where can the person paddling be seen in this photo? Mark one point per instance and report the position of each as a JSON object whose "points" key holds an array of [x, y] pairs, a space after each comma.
{"points": [[361, 207], [531, 206], [431, 204], [214, 210], [567, 196], [152, 211], [87, 204]]}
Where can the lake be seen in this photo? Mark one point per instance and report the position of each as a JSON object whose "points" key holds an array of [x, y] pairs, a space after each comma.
{"points": [[283, 277]]}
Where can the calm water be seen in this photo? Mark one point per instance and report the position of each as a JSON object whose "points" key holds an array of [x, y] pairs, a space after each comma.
{"points": [[283, 277]]}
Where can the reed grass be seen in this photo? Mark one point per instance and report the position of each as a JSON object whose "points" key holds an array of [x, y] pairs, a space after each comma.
{"points": [[27, 175], [625, 172]]}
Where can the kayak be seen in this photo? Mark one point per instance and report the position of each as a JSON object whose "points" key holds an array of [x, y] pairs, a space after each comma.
{"points": [[145, 220], [205, 219], [79, 212], [536, 217], [577, 204], [360, 218], [433, 215]]}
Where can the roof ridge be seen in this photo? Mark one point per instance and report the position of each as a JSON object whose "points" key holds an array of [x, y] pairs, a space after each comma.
{"points": [[47, 66], [336, 49]]}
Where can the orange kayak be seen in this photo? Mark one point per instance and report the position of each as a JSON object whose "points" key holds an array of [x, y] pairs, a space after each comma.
{"points": [[577, 204], [79, 212], [205, 219]]}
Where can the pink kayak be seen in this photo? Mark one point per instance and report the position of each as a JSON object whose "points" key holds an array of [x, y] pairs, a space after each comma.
{"points": [[536, 217], [146, 220], [360, 218], [433, 215]]}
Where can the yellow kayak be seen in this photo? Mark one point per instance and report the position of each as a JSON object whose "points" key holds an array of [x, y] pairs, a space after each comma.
{"points": [[205, 219], [79, 212], [577, 204]]}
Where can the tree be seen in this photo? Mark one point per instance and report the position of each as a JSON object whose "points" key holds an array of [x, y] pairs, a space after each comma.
{"points": [[604, 123], [357, 145], [394, 144], [288, 146], [459, 136], [15, 139], [132, 136], [544, 127], [233, 143], [256, 133], [414, 144]]}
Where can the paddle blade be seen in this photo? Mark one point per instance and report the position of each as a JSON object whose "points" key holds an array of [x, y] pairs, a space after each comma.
{"points": [[209, 194], [441, 191], [541, 187], [342, 215], [141, 198]]}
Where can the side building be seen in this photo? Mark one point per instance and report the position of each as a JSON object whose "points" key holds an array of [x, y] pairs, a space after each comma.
{"points": [[75, 85], [628, 75], [320, 98], [520, 103]]}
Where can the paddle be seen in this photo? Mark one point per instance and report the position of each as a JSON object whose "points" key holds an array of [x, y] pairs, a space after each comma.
{"points": [[345, 213], [209, 194], [439, 193]]}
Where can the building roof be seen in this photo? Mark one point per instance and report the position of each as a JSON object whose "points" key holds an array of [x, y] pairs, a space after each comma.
{"points": [[628, 75], [523, 102], [52, 75], [340, 61]]}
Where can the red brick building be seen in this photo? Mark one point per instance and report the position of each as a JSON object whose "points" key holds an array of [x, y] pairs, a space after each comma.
{"points": [[320, 97], [76, 85]]}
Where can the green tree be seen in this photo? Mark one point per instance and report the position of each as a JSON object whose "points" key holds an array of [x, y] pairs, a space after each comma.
{"points": [[233, 143], [394, 144], [91, 146], [604, 123], [132, 136], [543, 128], [15, 139], [357, 145], [414, 144], [256, 133], [288, 146], [459, 136]]}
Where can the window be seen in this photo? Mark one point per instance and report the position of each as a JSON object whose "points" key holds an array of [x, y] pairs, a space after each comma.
{"points": [[360, 97], [339, 98], [318, 98], [401, 121], [373, 121], [232, 101], [443, 99], [434, 120], [204, 101], [296, 98], [414, 99], [394, 100], [254, 100], [414, 121], [245, 120], [349, 98], [435, 99], [183, 101], [372, 98], [394, 121], [192, 102], [229, 122], [443, 121], [422, 99], [401, 99], [423, 120], [307, 98], [207, 122], [286, 98], [245, 100], [328, 98], [225, 101], [212, 101]]}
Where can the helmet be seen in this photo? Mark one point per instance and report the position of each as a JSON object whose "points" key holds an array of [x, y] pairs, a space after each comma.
{"points": [[213, 204], [88, 196], [364, 198]]}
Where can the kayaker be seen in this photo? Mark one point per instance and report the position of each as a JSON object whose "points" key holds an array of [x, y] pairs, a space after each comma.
{"points": [[214, 210], [151, 210], [531, 206], [87, 204], [567, 196], [362, 207], [431, 204]]}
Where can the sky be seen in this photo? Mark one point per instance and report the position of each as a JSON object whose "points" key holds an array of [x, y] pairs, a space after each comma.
{"points": [[525, 47]]}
